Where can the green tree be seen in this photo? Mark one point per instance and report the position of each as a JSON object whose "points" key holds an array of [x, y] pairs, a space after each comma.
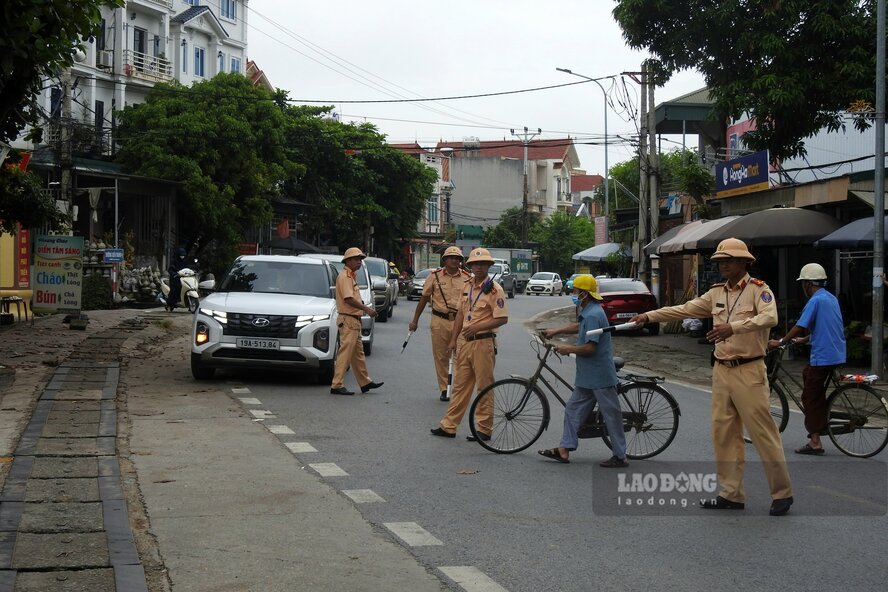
{"points": [[38, 40], [354, 181], [560, 236], [792, 65], [506, 234], [223, 140], [23, 201]]}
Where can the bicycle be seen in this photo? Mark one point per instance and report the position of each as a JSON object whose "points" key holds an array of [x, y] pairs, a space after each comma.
{"points": [[520, 410], [857, 416]]}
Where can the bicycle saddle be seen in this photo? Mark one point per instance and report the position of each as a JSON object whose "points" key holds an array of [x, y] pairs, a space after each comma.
{"points": [[619, 363]]}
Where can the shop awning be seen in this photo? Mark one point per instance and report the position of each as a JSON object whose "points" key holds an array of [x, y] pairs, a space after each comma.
{"points": [[857, 235], [687, 242], [652, 248], [601, 252], [774, 227]]}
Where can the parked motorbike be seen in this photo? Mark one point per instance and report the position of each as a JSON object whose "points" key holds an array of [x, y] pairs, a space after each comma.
{"points": [[188, 295]]}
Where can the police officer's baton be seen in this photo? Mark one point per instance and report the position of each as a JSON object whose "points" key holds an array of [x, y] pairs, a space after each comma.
{"points": [[450, 378], [403, 347], [611, 329]]}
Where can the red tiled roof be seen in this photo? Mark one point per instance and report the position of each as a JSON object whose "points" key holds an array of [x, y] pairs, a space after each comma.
{"points": [[585, 182], [537, 150], [413, 148]]}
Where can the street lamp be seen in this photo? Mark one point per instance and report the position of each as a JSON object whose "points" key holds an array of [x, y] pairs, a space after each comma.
{"points": [[606, 183]]}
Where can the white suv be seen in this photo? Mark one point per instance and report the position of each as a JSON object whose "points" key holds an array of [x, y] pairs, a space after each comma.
{"points": [[364, 285], [268, 311]]}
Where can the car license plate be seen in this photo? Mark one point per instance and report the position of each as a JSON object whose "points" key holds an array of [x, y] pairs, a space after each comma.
{"points": [[624, 315], [247, 343]]}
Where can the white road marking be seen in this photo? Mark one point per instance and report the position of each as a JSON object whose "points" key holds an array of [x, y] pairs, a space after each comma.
{"points": [[296, 447], [471, 579], [280, 429], [328, 470], [363, 496], [250, 401], [412, 534], [262, 413], [240, 390]]}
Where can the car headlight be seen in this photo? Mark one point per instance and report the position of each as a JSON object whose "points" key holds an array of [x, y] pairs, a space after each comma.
{"points": [[303, 320], [201, 333], [217, 315], [322, 340]]}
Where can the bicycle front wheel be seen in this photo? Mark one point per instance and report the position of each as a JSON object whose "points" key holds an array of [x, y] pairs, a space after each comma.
{"points": [[779, 406], [650, 419], [857, 420], [514, 413]]}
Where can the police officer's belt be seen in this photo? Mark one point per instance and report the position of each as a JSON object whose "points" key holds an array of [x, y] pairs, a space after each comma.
{"points": [[444, 315], [477, 336], [738, 361]]}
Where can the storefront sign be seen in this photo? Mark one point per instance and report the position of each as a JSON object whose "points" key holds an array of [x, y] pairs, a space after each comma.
{"points": [[247, 248], [742, 175], [113, 256], [58, 274], [22, 258], [600, 230]]}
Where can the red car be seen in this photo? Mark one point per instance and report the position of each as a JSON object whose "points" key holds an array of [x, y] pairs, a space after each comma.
{"points": [[623, 298]]}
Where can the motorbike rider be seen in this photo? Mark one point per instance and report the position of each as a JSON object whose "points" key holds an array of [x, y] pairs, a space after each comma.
{"points": [[177, 263]]}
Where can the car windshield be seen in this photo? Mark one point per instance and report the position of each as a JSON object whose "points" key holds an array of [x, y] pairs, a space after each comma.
{"points": [[543, 275], [273, 277], [496, 268], [622, 286], [423, 274], [376, 267]]}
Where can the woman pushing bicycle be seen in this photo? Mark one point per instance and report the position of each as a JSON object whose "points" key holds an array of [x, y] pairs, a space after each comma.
{"points": [[596, 376]]}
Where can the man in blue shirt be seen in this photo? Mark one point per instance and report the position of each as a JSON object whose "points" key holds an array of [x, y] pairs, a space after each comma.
{"points": [[822, 319], [596, 376]]}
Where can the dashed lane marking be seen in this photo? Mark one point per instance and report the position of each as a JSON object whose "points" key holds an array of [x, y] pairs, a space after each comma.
{"points": [[250, 401], [297, 447], [262, 413], [412, 534], [328, 470], [280, 429], [471, 579], [363, 496], [242, 390]]}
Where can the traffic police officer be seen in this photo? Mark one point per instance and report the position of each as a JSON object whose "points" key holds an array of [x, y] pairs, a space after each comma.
{"points": [[743, 311], [443, 288], [482, 309], [350, 306]]}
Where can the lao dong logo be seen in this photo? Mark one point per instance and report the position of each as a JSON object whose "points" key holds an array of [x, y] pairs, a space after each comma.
{"points": [[667, 483]]}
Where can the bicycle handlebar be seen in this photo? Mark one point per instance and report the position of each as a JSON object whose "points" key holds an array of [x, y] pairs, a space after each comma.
{"points": [[611, 329]]}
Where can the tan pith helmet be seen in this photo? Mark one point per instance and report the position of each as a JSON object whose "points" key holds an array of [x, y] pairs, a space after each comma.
{"points": [[812, 272], [479, 256], [732, 247], [353, 252], [453, 252]]}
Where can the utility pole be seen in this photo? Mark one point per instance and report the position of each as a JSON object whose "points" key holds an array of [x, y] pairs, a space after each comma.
{"points": [[653, 186], [66, 162], [526, 138], [879, 188], [643, 201]]}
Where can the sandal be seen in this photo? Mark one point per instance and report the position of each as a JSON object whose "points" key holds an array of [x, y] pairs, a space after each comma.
{"points": [[806, 449], [554, 454]]}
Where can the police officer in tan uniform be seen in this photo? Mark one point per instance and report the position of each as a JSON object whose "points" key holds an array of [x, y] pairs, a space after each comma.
{"points": [[350, 307], [482, 310], [443, 288], [743, 311]]}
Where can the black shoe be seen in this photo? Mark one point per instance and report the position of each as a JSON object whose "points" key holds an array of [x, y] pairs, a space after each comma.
{"points": [[481, 436], [444, 396], [779, 507], [720, 503], [341, 391], [442, 433], [614, 463], [371, 385]]}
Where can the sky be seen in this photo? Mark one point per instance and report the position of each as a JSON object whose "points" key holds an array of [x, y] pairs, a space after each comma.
{"points": [[360, 50]]}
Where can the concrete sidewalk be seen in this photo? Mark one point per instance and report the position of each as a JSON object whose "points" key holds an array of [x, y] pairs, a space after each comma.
{"points": [[120, 473]]}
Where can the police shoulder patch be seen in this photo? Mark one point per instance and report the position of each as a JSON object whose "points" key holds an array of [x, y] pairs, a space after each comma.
{"points": [[766, 296], [756, 282], [500, 302]]}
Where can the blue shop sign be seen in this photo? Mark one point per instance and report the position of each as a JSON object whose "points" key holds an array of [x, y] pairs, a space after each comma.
{"points": [[742, 175]]}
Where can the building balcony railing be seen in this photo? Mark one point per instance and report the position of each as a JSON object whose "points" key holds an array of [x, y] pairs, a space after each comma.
{"points": [[165, 3], [146, 67], [84, 138]]}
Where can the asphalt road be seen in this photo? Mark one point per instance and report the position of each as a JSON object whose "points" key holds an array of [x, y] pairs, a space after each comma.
{"points": [[531, 524]]}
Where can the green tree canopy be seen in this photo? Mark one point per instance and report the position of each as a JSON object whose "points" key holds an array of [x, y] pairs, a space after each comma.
{"points": [[560, 236], [506, 234], [792, 65], [223, 139]]}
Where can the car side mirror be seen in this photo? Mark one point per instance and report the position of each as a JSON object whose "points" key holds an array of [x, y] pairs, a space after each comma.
{"points": [[208, 285], [380, 285]]}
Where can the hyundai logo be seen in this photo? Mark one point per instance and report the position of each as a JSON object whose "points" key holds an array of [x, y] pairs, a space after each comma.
{"points": [[261, 322]]}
